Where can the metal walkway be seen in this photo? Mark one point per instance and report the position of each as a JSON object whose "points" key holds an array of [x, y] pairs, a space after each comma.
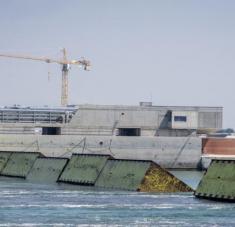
{"points": [[36, 115]]}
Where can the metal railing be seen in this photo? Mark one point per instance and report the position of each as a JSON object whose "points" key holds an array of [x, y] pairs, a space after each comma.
{"points": [[36, 115]]}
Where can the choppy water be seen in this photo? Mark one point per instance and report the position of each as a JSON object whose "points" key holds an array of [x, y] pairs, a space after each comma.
{"points": [[24, 204]]}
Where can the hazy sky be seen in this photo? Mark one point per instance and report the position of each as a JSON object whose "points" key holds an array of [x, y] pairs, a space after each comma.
{"points": [[168, 52]]}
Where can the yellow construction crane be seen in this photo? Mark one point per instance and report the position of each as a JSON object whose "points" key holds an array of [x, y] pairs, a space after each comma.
{"points": [[65, 63]]}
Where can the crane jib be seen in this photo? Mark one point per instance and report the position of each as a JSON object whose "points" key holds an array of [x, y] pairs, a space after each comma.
{"points": [[65, 68]]}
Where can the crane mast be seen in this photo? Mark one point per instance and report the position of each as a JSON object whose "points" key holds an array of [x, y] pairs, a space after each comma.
{"points": [[64, 89], [65, 63]]}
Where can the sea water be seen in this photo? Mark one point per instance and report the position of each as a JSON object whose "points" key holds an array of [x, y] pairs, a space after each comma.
{"points": [[25, 204]]}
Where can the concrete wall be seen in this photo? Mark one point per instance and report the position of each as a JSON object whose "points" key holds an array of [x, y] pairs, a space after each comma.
{"points": [[105, 120], [210, 120], [169, 152], [146, 118], [124, 117], [191, 120]]}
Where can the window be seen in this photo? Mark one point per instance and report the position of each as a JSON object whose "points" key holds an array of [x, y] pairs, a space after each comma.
{"points": [[51, 131], [180, 118], [129, 132]]}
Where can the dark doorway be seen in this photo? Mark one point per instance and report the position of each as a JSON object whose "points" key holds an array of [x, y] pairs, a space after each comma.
{"points": [[51, 131], [129, 132]]}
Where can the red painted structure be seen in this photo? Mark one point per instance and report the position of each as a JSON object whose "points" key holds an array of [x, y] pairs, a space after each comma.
{"points": [[218, 146]]}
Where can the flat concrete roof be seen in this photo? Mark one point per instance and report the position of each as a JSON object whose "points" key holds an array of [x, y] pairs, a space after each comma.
{"points": [[154, 108]]}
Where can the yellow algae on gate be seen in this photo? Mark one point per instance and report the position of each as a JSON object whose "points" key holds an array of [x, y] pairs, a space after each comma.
{"points": [[158, 179], [135, 175], [101, 171]]}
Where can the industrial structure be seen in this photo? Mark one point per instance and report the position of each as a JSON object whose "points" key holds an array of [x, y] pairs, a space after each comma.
{"points": [[65, 63], [107, 120], [112, 146], [168, 135]]}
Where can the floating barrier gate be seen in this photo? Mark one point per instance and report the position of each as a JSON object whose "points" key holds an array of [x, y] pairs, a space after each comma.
{"points": [[101, 171], [218, 183], [83, 169], [19, 164], [46, 170]]}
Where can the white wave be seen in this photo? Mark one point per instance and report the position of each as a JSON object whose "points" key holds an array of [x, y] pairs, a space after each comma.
{"points": [[101, 206], [157, 196], [34, 224], [53, 206], [220, 207]]}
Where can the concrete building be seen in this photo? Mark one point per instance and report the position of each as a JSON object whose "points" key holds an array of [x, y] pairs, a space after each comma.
{"points": [[144, 120], [167, 135]]}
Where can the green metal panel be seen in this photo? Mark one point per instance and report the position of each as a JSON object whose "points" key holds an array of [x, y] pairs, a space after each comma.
{"points": [[46, 170], [4, 156], [83, 168], [19, 164], [219, 181], [123, 174]]}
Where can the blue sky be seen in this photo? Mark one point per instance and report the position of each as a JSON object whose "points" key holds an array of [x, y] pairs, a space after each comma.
{"points": [[168, 52]]}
